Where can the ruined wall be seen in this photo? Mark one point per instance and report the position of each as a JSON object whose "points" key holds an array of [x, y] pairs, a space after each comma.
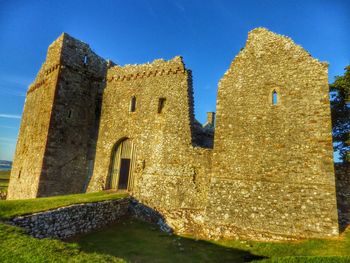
{"points": [[272, 164], [75, 116], [58, 134], [269, 176], [36, 118], [168, 169]]}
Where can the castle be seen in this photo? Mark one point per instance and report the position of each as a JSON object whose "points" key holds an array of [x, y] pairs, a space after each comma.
{"points": [[90, 125]]}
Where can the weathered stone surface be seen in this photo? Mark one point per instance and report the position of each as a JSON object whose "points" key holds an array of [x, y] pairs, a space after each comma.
{"points": [[57, 138], [268, 175], [65, 222], [272, 165], [71, 220]]}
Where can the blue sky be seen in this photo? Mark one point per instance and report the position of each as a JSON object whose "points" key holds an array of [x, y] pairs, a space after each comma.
{"points": [[207, 33]]}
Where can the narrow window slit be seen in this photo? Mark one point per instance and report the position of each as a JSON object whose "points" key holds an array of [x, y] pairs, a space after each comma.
{"points": [[274, 97], [133, 104], [161, 104], [85, 60]]}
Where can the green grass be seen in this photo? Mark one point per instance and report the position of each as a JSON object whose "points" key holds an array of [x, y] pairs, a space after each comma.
{"points": [[15, 246], [3, 184], [311, 247], [312, 250], [135, 241], [5, 174], [310, 259], [139, 242], [12, 208]]}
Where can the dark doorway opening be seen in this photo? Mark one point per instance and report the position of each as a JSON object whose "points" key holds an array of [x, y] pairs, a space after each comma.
{"points": [[124, 173], [121, 167]]}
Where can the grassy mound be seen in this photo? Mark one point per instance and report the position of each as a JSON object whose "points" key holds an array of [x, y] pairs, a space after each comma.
{"points": [[4, 180], [137, 241], [12, 208], [15, 246]]}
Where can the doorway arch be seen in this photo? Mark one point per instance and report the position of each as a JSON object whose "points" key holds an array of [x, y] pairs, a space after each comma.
{"points": [[121, 165]]}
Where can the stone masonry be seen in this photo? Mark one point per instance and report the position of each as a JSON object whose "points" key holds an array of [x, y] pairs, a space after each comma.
{"points": [[72, 220], [65, 222], [91, 125]]}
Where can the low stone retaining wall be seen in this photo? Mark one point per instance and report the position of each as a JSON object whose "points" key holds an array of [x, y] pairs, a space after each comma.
{"points": [[145, 213], [65, 222], [71, 220]]}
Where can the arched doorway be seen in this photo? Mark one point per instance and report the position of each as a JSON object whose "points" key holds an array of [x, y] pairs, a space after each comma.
{"points": [[121, 165]]}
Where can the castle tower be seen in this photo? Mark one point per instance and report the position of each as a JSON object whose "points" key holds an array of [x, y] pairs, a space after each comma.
{"points": [[57, 137], [273, 158]]}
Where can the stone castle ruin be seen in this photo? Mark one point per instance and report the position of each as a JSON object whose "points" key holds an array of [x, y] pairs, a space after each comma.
{"points": [[90, 125]]}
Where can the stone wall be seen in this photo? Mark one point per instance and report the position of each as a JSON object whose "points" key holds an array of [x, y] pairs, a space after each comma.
{"points": [[342, 175], [170, 172], [36, 120], [272, 167], [53, 155], [71, 142], [68, 221], [268, 175]]}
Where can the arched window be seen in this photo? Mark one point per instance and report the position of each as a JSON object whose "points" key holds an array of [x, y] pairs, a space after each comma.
{"points": [[132, 104], [274, 97]]}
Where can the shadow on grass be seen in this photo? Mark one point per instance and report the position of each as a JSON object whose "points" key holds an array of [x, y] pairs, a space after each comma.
{"points": [[137, 241]]}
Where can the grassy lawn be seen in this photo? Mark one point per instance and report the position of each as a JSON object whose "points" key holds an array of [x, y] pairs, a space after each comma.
{"points": [[15, 246], [5, 175], [312, 250], [4, 180], [135, 241], [12, 208], [139, 242]]}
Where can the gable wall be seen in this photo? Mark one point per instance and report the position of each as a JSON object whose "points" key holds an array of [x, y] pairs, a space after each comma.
{"points": [[273, 164]]}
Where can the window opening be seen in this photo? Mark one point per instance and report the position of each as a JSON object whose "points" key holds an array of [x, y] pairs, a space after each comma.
{"points": [[133, 104], [161, 104], [69, 115], [274, 97], [85, 60]]}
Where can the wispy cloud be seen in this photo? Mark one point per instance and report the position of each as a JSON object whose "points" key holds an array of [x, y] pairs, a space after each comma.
{"points": [[12, 92], [15, 85], [10, 116], [7, 127], [7, 144], [4, 139], [179, 6], [11, 79]]}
